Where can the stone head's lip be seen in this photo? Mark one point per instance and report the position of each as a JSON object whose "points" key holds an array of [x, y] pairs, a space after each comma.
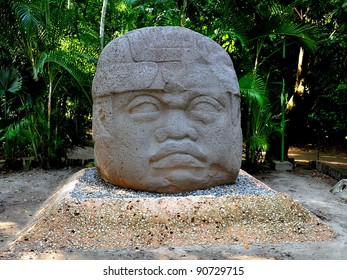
{"points": [[178, 160], [184, 149]]}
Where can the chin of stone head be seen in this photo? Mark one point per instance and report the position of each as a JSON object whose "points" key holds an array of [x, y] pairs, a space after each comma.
{"points": [[166, 113]]}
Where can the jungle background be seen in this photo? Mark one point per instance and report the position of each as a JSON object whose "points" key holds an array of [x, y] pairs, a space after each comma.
{"points": [[290, 58]]}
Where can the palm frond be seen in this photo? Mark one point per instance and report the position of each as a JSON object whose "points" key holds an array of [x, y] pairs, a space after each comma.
{"points": [[253, 86], [28, 15], [263, 126], [297, 31], [279, 21], [59, 58], [233, 24], [10, 80]]}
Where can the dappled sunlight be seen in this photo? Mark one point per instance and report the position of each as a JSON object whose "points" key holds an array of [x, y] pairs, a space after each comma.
{"points": [[334, 159], [334, 156], [8, 232], [302, 160], [317, 202], [336, 162], [43, 256], [293, 154], [165, 255], [230, 256], [7, 228]]}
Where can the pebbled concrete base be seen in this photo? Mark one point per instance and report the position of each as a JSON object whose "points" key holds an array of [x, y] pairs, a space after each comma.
{"points": [[85, 214]]}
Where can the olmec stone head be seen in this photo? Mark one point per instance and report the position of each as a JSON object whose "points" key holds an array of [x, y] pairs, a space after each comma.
{"points": [[166, 113]]}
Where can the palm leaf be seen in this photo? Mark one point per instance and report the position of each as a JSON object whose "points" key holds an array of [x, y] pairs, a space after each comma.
{"points": [[263, 126], [10, 80], [231, 23], [297, 31], [279, 21], [58, 58], [27, 13], [253, 87]]}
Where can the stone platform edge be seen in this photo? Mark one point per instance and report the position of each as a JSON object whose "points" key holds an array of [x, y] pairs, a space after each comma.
{"points": [[327, 169], [65, 222]]}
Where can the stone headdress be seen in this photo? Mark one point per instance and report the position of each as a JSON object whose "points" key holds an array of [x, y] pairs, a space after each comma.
{"points": [[165, 59]]}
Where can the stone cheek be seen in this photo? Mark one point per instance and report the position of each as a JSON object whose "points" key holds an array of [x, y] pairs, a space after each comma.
{"points": [[163, 124]]}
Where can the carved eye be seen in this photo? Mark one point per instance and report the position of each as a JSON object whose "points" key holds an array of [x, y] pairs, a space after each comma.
{"points": [[144, 107], [205, 108], [205, 104]]}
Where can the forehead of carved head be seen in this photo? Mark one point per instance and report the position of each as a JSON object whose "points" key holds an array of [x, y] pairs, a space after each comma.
{"points": [[166, 112]]}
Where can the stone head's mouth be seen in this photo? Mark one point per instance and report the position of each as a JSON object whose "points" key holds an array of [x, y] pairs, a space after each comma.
{"points": [[178, 160], [178, 155]]}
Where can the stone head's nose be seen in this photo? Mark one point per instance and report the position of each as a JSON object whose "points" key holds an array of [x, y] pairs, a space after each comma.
{"points": [[177, 127]]}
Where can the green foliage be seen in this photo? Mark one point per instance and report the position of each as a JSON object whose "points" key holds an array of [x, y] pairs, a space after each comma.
{"points": [[10, 132], [263, 126], [10, 80], [49, 55], [253, 87], [66, 62], [37, 121], [329, 115], [319, 115], [14, 141], [258, 121]]}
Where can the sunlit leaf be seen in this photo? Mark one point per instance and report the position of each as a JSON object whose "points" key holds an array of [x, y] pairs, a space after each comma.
{"points": [[253, 86]]}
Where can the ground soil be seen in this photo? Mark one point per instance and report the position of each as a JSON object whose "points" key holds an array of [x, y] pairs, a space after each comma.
{"points": [[22, 194], [334, 157]]}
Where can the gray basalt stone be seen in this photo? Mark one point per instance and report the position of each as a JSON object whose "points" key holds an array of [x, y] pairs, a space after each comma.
{"points": [[340, 189], [166, 113]]}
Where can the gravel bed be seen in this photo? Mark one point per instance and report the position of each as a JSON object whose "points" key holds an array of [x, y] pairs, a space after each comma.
{"points": [[92, 186]]}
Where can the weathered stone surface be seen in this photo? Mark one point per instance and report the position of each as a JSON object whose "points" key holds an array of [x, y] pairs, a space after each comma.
{"points": [[87, 213], [166, 113], [340, 189]]}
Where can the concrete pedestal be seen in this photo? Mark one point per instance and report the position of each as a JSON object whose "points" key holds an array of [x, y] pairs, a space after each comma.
{"points": [[89, 213]]}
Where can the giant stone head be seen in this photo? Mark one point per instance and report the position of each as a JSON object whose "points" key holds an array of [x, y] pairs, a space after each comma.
{"points": [[166, 112]]}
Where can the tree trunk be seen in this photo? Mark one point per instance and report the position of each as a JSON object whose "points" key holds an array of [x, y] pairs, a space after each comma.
{"points": [[184, 12], [49, 105], [102, 23], [48, 16], [299, 87]]}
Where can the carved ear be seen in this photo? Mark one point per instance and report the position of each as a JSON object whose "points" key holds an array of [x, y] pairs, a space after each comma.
{"points": [[235, 110], [101, 109]]}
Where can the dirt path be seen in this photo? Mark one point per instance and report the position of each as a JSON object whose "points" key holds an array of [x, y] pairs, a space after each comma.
{"points": [[335, 158], [22, 193]]}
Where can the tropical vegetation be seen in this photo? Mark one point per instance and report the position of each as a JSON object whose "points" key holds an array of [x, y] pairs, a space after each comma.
{"points": [[290, 57]]}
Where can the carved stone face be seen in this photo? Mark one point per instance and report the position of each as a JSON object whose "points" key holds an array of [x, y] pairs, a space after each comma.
{"points": [[175, 126]]}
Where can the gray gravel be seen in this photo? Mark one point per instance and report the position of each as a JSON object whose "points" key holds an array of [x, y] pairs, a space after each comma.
{"points": [[92, 186]]}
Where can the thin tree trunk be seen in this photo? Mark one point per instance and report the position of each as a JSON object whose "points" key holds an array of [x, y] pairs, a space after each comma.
{"points": [[49, 105], [184, 12], [248, 132], [48, 16], [102, 23], [299, 87]]}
